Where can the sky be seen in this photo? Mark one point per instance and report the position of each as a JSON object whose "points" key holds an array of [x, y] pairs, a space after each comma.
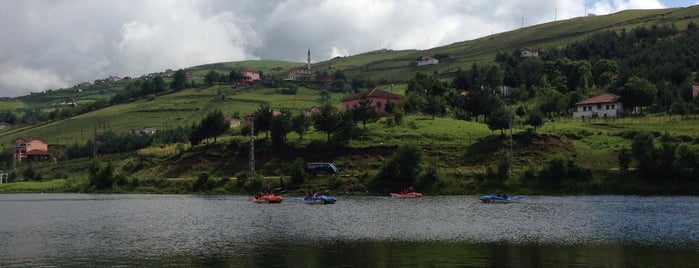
{"points": [[52, 44]]}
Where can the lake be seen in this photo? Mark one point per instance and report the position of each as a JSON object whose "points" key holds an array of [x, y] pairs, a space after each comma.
{"points": [[83, 230]]}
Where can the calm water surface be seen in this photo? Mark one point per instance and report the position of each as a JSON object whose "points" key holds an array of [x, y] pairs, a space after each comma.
{"points": [[434, 231]]}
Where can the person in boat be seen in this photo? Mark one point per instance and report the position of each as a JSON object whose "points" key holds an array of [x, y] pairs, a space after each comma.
{"points": [[308, 196], [411, 189], [259, 194]]}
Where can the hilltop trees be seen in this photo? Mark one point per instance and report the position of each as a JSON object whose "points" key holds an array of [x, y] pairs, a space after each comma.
{"points": [[212, 126]]}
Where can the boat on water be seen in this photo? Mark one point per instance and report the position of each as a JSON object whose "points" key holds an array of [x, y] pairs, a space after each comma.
{"points": [[268, 198], [406, 195], [496, 198], [317, 200]]}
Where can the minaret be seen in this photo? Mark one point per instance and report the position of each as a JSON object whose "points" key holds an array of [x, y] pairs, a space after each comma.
{"points": [[309, 59]]}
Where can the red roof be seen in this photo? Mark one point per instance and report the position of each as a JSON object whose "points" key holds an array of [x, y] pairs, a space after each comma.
{"points": [[604, 98], [374, 93], [37, 152], [25, 140]]}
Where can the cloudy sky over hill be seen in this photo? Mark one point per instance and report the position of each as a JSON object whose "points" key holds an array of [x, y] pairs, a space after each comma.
{"points": [[56, 44]]}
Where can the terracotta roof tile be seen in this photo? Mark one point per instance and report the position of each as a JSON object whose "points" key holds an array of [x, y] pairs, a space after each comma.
{"points": [[604, 98]]}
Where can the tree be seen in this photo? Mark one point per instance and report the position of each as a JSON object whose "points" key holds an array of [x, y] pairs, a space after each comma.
{"points": [[280, 126], [603, 71], [213, 125], [638, 92], [403, 168], [364, 112], [179, 80], [300, 124], [535, 119], [211, 77], [158, 84], [624, 159], [644, 151], [499, 119], [263, 118], [327, 120]]}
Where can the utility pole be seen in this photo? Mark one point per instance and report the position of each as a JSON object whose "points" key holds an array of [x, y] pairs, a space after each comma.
{"points": [[252, 148]]}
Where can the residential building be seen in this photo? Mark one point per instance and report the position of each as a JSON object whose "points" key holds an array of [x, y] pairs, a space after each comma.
{"points": [[30, 149], [378, 99], [529, 52], [250, 75], [150, 131], [5, 125], [605, 106], [695, 91], [426, 60]]}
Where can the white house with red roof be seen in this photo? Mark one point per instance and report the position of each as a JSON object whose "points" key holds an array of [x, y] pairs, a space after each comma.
{"points": [[378, 99], [427, 60], [601, 106], [26, 149]]}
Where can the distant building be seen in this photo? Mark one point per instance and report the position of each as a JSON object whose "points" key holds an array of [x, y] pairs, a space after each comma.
{"points": [[308, 112], [301, 73], [526, 52], [233, 121], [378, 99], [695, 91], [250, 75], [605, 106], [5, 125], [30, 149], [427, 60], [150, 131]]}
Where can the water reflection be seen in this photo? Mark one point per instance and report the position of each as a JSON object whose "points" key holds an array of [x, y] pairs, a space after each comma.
{"points": [[176, 230]]}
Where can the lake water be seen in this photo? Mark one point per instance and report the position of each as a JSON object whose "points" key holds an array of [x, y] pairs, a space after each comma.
{"points": [[72, 230]]}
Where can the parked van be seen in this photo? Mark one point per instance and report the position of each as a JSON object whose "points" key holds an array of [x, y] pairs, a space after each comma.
{"points": [[321, 168]]}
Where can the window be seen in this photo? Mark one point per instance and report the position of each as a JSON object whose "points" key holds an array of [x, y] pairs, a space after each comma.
{"points": [[378, 104]]}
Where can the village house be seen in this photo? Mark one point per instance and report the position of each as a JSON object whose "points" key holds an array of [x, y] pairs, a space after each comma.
{"points": [[4, 125], [233, 121], [30, 149], [378, 99], [150, 131], [695, 91], [604, 106], [308, 112], [525, 52], [426, 60], [250, 75]]}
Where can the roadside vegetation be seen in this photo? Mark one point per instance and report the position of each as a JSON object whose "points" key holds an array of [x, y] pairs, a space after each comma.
{"points": [[501, 124]]}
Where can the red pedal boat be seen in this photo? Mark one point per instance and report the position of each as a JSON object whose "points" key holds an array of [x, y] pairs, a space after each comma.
{"points": [[270, 198], [406, 195]]}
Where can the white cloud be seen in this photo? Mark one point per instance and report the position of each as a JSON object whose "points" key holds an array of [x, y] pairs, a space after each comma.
{"points": [[68, 42], [16, 79]]}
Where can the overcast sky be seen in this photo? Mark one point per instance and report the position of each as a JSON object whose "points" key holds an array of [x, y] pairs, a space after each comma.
{"points": [[51, 44]]}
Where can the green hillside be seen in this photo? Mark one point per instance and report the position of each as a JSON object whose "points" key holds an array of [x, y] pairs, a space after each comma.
{"points": [[462, 154]]}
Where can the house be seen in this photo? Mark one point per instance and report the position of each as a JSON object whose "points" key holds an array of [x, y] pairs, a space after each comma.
{"points": [[233, 121], [378, 99], [426, 60], [150, 131], [526, 52], [605, 106], [5, 125], [250, 75], [308, 112], [28, 149], [695, 91]]}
